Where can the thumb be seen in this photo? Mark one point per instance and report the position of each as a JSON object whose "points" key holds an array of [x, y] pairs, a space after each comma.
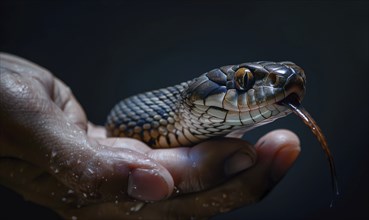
{"points": [[278, 150]]}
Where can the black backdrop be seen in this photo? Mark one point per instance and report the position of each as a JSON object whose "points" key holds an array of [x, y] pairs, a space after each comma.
{"points": [[106, 51]]}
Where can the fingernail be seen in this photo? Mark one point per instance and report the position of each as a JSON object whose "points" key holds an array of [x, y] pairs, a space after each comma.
{"points": [[147, 185], [283, 160], [238, 162]]}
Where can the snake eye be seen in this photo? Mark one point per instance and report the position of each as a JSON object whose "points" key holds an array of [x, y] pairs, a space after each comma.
{"points": [[244, 79]]}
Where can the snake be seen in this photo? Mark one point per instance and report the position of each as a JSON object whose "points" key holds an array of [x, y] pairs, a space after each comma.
{"points": [[224, 100]]}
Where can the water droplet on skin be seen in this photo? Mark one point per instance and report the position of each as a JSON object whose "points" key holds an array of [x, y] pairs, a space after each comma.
{"points": [[84, 195], [90, 171], [53, 153], [137, 207], [116, 202], [68, 124], [56, 171], [70, 191]]}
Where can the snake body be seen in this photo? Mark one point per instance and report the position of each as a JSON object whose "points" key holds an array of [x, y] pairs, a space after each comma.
{"points": [[223, 100]]}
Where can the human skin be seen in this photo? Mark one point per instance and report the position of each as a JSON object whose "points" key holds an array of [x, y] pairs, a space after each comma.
{"points": [[52, 155]]}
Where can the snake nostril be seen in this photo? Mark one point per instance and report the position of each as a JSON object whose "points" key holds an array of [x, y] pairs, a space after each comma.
{"points": [[272, 79]]}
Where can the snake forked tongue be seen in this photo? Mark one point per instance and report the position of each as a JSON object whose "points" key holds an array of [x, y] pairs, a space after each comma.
{"points": [[293, 103]]}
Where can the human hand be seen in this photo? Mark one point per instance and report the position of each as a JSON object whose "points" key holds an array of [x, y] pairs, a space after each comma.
{"points": [[53, 156]]}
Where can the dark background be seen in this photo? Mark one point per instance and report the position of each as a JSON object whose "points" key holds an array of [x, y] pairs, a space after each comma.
{"points": [[108, 51]]}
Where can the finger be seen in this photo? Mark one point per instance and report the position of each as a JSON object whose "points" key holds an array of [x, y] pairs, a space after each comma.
{"points": [[109, 176], [119, 172], [197, 168], [284, 145], [206, 164], [246, 188]]}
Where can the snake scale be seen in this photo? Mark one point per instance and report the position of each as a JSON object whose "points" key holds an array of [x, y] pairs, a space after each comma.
{"points": [[227, 99]]}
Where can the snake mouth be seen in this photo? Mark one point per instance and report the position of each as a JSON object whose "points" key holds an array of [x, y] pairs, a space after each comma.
{"points": [[292, 98]]}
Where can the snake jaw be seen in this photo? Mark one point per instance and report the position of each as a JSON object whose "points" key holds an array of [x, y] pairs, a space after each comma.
{"points": [[215, 97]]}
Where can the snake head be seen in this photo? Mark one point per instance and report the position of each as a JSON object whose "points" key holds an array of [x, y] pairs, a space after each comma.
{"points": [[237, 91]]}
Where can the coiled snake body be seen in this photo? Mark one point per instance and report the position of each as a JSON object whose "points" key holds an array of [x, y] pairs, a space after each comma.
{"points": [[216, 103]]}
